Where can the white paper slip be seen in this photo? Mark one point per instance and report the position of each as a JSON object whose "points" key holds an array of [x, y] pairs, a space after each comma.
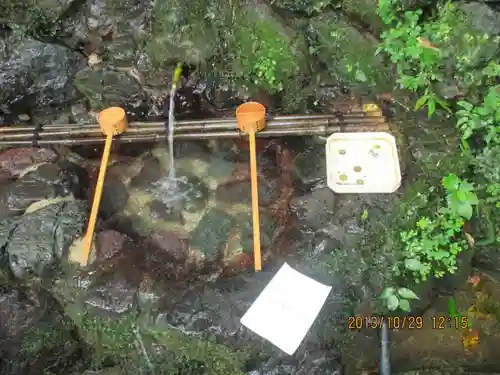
{"points": [[286, 308]]}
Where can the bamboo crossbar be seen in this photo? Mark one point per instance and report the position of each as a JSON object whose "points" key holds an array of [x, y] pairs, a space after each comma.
{"points": [[299, 125]]}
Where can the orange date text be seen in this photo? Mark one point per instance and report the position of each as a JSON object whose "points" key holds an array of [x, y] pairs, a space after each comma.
{"points": [[392, 322]]}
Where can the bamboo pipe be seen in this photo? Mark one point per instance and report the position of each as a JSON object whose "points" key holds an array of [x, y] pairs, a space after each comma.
{"points": [[141, 130], [208, 124], [318, 130]]}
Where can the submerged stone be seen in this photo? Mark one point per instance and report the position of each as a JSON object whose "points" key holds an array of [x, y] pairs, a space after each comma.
{"points": [[211, 234]]}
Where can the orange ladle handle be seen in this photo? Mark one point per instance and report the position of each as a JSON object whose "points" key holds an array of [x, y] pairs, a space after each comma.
{"points": [[255, 203], [97, 198], [112, 121]]}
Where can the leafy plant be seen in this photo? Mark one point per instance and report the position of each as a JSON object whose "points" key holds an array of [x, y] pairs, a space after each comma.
{"points": [[398, 298], [484, 118], [432, 247]]}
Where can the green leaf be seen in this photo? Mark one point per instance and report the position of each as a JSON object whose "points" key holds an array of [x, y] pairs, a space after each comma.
{"points": [[421, 102], [465, 210], [404, 305], [387, 292], [451, 182], [452, 307], [407, 293], [413, 264], [392, 302], [431, 107], [468, 106]]}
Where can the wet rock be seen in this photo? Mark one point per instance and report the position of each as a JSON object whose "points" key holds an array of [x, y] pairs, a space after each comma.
{"points": [[310, 165], [350, 54], [214, 315], [47, 181], [211, 235], [106, 17], [110, 243], [150, 174], [114, 197], [36, 240], [171, 245], [105, 87], [482, 17], [244, 224], [315, 209], [241, 192], [36, 74], [115, 296], [34, 335], [166, 211], [16, 160]]}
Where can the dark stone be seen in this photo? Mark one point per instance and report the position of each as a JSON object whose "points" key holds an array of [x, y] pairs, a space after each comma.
{"points": [[310, 165], [34, 333], [166, 211], [104, 87], [116, 296], [170, 244], [16, 160], [315, 209], [213, 314], [47, 181], [36, 74], [268, 227], [211, 234], [36, 240], [241, 192], [150, 173], [114, 197], [110, 243]]}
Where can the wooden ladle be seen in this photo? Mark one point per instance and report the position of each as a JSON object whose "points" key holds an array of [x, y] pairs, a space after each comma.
{"points": [[251, 118], [112, 121]]}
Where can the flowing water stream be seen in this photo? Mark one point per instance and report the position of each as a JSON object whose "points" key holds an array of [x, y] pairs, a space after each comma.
{"points": [[172, 188]]}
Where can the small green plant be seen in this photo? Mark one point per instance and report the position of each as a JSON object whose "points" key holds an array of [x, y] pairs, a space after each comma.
{"points": [[484, 118], [398, 298], [432, 246]]}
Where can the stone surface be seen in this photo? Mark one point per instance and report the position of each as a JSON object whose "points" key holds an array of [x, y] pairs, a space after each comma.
{"points": [[35, 74], [47, 181], [38, 239], [16, 160]]}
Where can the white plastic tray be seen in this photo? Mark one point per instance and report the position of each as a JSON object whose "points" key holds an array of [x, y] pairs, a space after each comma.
{"points": [[362, 163]]}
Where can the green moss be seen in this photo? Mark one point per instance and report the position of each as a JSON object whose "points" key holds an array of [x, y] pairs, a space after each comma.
{"points": [[264, 57], [303, 6], [350, 55], [364, 11], [138, 347], [192, 34]]}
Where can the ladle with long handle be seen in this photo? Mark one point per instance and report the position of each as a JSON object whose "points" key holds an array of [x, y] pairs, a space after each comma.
{"points": [[112, 121], [251, 117]]}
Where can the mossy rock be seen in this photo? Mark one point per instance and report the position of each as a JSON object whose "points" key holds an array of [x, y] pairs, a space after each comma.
{"points": [[364, 12], [192, 34], [117, 339], [105, 87], [268, 53], [349, 54], [303, 6]]}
